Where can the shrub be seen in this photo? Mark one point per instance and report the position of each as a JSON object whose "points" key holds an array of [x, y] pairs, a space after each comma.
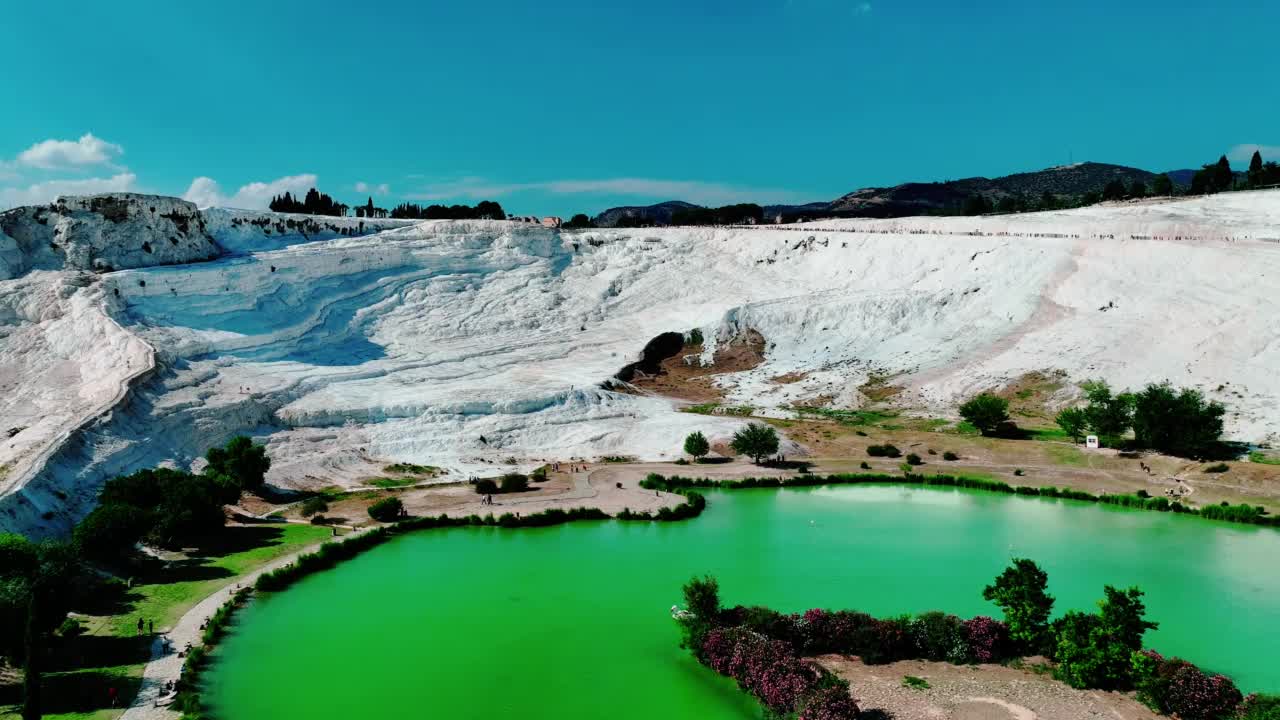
{"points": [[1218, 468], [539, 474], [886, 450], [938, 636], [387, 510], [486, 486], [864, 465], [1193, 695], [319, 520], [914, 459], [829, 703], [514, 482], [313, 505], [988, 639], [1143, 494], [948, 455], [1260, 707], [1018, 472], [986, 412]]}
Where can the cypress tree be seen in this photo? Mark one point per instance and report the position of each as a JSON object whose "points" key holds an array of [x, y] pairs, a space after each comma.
{"points": [[1255, 169]]}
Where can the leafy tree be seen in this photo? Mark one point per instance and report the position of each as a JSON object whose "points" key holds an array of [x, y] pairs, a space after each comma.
{"points": [[1271, 173], [1162, 185], [387, 510], [1048, 201], [314, 203], [696, 445], [1096, 651], [110, 530], [579, 221], [702, 603], [986, 412], [1177, 423], [756, 440], [1223, 178], [1109, 415], [486, 486], [240, 460], [1020, 591], [1255, 169], [977, 205], [1138, 189], [1114, 190], [1074, 422]]}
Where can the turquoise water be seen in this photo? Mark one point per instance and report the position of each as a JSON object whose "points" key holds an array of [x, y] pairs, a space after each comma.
{"points": [[573, 621]]}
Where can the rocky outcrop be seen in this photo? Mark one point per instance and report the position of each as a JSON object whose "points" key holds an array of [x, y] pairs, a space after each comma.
{"points": [[101, 233]]}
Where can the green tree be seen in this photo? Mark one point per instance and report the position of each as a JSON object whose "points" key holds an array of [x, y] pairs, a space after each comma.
{"points": [[1109, 415], [240, 460], [1096, 651], [1021, 592], [702, 603], [1223, 178], [1255, 169], [1074, 422], [1114, 190], [111, 530], [1162, 185], [1176, 422], [756, 440], [986, 412], [387, 510], [579, 221], [696, 445], [1138, 189]]}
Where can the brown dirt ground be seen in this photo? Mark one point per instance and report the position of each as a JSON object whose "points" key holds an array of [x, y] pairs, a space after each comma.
{"points": [[684, 378], [976, 692]]}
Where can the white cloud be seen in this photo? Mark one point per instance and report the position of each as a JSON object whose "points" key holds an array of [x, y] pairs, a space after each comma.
{"points": [[205, 192], [372, 189], [63, 154], [46, 192], [694, 191], [1244, 153]]}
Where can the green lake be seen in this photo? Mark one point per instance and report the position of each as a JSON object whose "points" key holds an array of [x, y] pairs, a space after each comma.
{"points": [[573, 621]]}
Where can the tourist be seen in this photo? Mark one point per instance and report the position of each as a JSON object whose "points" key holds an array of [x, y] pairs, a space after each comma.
{"points": [[151, 627], [139, 625], [112, 695]]}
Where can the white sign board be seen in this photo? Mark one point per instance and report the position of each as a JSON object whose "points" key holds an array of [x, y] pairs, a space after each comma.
{"points": [[1091, 442]]}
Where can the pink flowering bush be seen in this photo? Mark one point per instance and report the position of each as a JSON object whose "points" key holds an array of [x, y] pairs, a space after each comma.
{"points": [[1174, 685], [768, 669], [988, 639], [829, 703]]}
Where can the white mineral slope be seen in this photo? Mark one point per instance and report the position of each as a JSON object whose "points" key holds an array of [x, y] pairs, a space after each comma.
{"points": [[465, 344]]}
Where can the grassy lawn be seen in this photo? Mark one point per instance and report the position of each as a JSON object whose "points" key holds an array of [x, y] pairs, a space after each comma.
{"points": [[110, 653], [1069, 455]]}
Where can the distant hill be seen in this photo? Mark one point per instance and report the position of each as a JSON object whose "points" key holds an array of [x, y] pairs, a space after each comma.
{"points": [[659, 214], [1063, 182], [1068, 184]]}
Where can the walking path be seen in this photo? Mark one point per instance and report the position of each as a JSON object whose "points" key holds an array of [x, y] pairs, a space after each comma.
{"points": [[167, 666]]}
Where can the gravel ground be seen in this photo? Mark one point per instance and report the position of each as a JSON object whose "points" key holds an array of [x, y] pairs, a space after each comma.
{"points": [[976, 692]]}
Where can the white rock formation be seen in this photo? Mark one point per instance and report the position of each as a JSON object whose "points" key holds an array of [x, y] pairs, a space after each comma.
{"points": [[464, 344]]}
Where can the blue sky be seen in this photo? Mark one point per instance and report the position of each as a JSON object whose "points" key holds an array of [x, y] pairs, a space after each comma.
{"points": [[579, 105]]}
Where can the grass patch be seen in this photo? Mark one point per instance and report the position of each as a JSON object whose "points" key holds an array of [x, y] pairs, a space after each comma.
{"points": [[387, 482], [915, 683], [165, 596], [964, 428], [1069, 455], [410, 469], [1053, 434], [1259, 457], [718, 409], [847, 417], [617, 459]]}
